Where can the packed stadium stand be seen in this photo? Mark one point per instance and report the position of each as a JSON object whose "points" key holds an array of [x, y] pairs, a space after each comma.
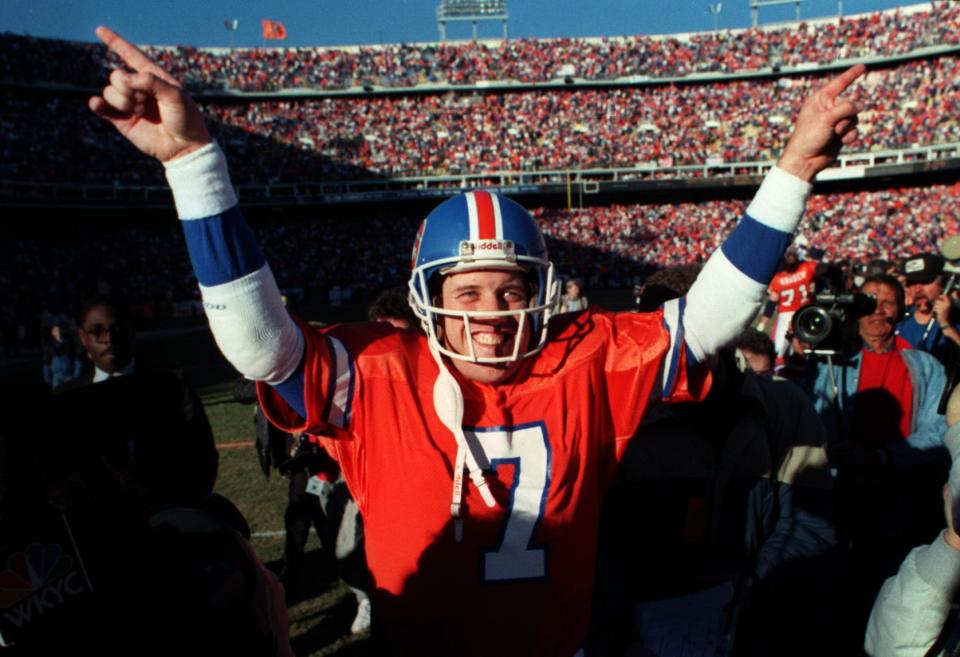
{"points": [[634, 152], [869, 36], [286, 141]]}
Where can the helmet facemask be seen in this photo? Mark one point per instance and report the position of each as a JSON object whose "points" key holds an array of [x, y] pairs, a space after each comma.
{"points": [[530, 322]]}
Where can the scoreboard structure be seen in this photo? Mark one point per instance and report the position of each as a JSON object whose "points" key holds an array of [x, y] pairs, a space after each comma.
{"points": [[757, 5], [473, 11]]}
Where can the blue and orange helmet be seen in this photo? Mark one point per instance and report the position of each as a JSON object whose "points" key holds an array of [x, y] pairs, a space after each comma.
{"points": [[482, 231]]}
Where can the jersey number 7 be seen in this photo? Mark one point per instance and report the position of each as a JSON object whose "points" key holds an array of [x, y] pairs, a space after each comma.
{"points": [[525, 447]]}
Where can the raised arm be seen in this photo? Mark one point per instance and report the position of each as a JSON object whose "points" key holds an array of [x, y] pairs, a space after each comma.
{"points": [[732, 285], [240, 297]]}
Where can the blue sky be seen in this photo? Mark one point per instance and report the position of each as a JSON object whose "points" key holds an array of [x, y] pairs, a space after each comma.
{"points": [[345, 22]]}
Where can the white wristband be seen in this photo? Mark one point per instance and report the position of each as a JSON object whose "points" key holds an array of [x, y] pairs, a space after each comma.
{"points": [[201, 183]]}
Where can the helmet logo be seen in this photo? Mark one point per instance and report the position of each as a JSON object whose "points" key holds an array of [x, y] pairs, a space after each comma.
{"points": [[488, 250], [483, 211]]}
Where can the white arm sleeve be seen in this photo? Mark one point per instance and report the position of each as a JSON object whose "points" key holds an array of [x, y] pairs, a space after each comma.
{"points": [[252, 327]]}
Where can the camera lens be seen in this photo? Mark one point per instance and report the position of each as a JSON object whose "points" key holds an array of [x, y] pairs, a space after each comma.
{"points": [[812, 325]]}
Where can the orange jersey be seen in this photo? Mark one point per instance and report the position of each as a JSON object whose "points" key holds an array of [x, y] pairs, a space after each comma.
{"points": [[793, 288], [520, 580]]}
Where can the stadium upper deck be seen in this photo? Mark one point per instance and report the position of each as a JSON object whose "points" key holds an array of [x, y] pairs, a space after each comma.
{"points": [[644, 131], [716, 126], [633, 58]]}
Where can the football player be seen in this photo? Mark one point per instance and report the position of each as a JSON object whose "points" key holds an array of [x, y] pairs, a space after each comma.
{"points": [[477, 449], [790, 290]]}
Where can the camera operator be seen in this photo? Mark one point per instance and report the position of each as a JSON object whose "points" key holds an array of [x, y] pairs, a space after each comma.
{"points": [[876, 365], [930, 323], [877, 398]]}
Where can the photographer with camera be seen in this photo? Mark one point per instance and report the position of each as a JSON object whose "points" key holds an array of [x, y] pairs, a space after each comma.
{"points": [[876, 395], [929, 324], [877, 398]]}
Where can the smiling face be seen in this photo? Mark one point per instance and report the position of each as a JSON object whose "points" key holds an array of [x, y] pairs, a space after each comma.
{"points": [[490, 337], [108, 338]]}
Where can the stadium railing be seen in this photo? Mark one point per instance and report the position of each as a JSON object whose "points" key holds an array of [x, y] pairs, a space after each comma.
{"points": [[584, 181]]}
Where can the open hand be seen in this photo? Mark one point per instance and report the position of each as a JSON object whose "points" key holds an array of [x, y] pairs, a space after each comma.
{"points": [[148, 107], [825, 124]]}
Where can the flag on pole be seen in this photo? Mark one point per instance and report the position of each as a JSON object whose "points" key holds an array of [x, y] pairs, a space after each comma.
{"points": [[273, 29], [232, 25]]}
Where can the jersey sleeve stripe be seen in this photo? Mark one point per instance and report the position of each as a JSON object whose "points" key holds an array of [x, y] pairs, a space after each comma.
{"points": [[340, 392], [201, 183], [673, 321], [756, 249], [222, 248]]}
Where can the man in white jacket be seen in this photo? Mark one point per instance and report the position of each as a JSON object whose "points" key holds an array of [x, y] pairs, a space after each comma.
{"points": [[913, 607]]}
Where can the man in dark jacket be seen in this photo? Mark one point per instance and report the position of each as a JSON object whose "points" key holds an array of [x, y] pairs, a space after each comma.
{"points": [[182, 459]]}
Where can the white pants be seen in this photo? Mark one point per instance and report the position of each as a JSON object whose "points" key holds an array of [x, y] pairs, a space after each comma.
{"points": [[780, 333]]}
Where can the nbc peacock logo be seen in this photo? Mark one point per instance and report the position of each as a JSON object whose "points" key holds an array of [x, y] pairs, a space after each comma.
{"points": [[39, 580], [31, 570]]}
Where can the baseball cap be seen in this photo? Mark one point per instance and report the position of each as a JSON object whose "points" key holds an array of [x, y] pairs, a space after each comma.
{"points": [[922, 268]]}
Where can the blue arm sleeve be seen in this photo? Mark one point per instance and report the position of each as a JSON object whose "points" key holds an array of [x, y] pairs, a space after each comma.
{"points": [[292, 391], [222, 248], [756, 249], [240, 296]]}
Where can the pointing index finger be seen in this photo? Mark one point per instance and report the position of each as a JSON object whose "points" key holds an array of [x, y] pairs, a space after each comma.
{"points": [[133, 56], [838, 85]]}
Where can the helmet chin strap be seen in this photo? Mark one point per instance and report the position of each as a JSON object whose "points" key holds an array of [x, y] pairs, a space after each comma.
{"points": [[448, 404]]}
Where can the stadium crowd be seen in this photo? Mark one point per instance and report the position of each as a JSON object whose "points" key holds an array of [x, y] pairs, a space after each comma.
{"points": [[583, 129], [850, 226], [336, 258], [454, 134], [530, 61], [25, 59]]}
